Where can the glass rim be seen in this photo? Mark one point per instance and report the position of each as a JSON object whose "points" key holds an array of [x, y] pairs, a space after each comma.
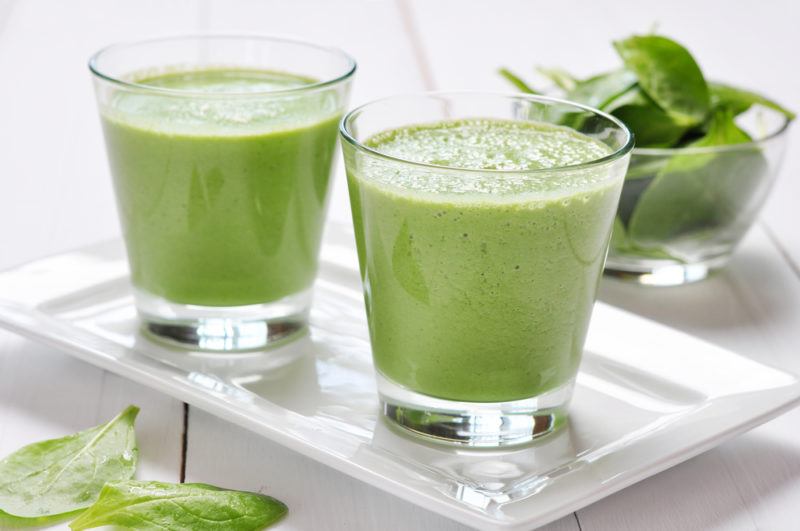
{"points": [[627, 146], [349, 70], [723, 148]]}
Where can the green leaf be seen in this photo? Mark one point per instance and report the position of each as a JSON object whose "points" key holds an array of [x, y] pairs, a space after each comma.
{"points": [[561, 78], [722, 131], [59, 476], [642, 167], [597, 91], [651, 126], [621, 245], [632, 190], [699, 193], [668, 73], [153, 505], [592, 92], [619, 236], [740, 100], [517, 81]]}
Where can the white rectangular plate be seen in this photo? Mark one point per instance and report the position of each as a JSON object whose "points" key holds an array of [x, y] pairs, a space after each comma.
{"points": [[647, 398]]}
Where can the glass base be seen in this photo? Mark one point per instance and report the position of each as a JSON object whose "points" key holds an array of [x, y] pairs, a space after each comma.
{"points": [[223, 328], [662, 272], [474, 424]]}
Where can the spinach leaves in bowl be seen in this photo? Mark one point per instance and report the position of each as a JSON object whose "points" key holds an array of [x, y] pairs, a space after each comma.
{"points": [[706, 155]]}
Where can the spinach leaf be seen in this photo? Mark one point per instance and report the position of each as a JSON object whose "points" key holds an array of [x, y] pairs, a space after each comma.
{"points": [[740, 100], [723, 131], [560, 78], [698, 191], [60, 476], [632, 191], [517, 81], [597, 91], [668, 73], [153, 505], [592, 92], [644, 167], [651, 126], [621, 244], [619, 236]]}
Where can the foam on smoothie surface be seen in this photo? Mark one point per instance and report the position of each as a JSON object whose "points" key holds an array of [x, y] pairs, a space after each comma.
{"points": [[235, 102], [487, 144]]}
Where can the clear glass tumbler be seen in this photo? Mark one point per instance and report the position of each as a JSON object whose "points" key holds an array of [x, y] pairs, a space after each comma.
{"points": [[479, 283], [221, 150], [683, 211]]}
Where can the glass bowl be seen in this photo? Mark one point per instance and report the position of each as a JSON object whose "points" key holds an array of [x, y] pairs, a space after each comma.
{"points": [[683, 211]]}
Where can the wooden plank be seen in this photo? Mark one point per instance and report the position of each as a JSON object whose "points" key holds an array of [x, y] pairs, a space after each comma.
{"points": [[57, 195]]}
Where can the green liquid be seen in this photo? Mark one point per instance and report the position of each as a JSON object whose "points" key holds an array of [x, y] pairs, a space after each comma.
{"points": [[221, 199], [479, 287]]}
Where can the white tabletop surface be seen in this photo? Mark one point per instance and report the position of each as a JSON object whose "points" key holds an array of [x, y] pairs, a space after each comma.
{"points": [[55, 194]]}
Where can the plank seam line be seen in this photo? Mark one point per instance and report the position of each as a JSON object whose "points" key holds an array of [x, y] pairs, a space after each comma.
{"points": [[184, 441], [577, 520], [417, 48], [781, 249]]}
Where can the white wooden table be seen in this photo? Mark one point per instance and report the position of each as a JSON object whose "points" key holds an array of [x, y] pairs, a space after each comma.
{"points": [[55, 194]]}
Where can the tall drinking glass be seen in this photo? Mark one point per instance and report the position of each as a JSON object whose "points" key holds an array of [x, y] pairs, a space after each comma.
{"points": [[482, 223], [221, 149]]}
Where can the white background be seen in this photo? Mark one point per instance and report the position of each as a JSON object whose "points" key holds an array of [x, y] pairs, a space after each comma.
{"points": [[55, 194]]}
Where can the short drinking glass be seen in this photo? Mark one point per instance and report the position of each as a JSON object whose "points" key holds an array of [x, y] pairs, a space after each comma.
{"points": [[221, 149], [482, 223]]}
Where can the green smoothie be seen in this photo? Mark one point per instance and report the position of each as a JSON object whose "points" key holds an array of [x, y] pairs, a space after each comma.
{"points": [[479, 285], [221, 196]]}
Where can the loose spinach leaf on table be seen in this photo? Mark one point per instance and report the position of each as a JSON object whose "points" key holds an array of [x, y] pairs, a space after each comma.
{"points": [[153, 505], [668, 73], [60, 476], [698, 191]]}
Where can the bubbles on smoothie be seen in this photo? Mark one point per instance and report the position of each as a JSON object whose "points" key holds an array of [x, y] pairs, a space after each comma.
{"points": [[216, 114], [484, 144]]}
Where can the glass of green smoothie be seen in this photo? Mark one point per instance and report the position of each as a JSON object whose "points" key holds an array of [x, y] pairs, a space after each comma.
{"points": [[482, 224], [221, 150]]}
